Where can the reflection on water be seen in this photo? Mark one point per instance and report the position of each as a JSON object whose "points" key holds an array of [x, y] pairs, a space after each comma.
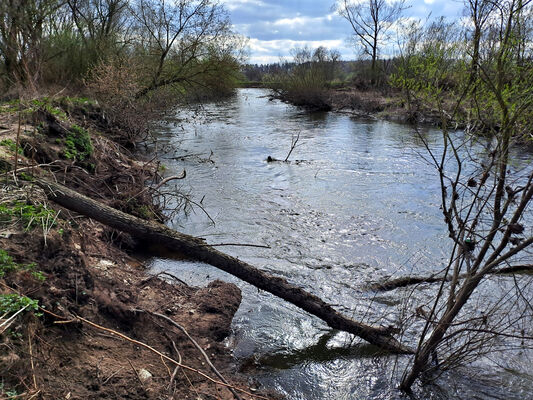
{"points": [[363, 205]]}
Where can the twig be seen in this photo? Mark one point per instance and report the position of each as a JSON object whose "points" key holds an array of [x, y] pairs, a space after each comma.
{"points": [[112, 375], [17, 140], [166, 366], [31, 363], [150, 348], [178, 158], [195, 343], [31, 397], [136, 373], [293, 145], [17, 396], [177, 367], [35, 166], [7, 323], [199, 206], [163, 182], [173, 277], [145, 281], [262, 246]]}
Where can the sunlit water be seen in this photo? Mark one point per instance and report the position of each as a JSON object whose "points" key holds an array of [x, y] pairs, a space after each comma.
{"points": [[360, 205]]}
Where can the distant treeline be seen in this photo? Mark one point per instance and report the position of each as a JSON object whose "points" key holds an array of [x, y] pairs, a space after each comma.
{"points": [[344, 70], [476, 72]]}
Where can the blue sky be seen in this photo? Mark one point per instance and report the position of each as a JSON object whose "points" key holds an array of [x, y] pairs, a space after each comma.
{"points": [[276, 26]]}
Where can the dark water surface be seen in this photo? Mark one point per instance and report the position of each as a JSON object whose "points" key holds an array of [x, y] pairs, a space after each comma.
{"points": [[360, 206]]}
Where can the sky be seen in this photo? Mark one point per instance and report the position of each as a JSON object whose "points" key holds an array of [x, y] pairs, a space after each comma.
{"points": [[274, 27]]}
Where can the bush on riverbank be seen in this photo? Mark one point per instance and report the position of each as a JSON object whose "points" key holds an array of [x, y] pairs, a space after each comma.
{"points": [[306, 82], [135, 57]]}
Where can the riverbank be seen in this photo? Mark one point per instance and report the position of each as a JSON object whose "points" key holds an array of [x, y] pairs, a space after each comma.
{"points": [[80, 287], [373, 103], [368, 103]]}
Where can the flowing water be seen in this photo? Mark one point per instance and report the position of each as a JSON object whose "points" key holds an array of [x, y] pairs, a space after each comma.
{"points": [[358, 203]]}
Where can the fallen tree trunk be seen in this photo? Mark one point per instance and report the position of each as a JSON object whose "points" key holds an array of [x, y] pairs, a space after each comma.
{"points": [[153, 233], [404, 281]]}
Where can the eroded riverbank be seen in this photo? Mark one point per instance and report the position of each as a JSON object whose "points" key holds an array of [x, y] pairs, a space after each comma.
{"points": [[82, 273]]}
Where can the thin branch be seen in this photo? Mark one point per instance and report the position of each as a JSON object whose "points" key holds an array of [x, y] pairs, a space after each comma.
{"points": [[198, 347]]}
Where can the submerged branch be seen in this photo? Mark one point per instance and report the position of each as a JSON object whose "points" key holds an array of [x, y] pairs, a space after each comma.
{"points": [[152, 233], [415, 280]]}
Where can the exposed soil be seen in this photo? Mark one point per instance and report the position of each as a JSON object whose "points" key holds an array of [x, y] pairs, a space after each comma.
{"points": [[363, 103], [373, 103], [90, 275]]}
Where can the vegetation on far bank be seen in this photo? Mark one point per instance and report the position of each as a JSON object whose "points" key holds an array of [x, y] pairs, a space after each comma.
{"points": [[464, 73]]}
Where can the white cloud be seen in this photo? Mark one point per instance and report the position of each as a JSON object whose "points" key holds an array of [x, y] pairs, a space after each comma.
{"points": [[276, 26], [236, 4], [272, 51], [297, 21]]}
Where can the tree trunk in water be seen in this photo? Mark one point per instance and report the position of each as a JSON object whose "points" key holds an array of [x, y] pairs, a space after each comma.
{"points": [[176, 242], [422, 356]]}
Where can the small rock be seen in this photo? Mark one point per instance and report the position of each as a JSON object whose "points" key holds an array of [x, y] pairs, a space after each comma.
{"points": [[144, 375]]}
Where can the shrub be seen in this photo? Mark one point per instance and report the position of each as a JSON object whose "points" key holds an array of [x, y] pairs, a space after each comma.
{"points": [[78, 145]]}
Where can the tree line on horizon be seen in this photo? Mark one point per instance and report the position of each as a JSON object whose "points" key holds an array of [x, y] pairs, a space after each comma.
{"points": [[430, 57]]}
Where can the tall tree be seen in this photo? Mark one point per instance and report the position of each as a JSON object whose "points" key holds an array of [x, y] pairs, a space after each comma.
{"points": [[180, 37], [371, 21], [22, 26]]}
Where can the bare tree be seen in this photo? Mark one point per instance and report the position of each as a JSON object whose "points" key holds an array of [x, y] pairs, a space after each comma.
{"points": [[22, 26], [485, 201], [99, 20], [371, 21], [182, 39]]}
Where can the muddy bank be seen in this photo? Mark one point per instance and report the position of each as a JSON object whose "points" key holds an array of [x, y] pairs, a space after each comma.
{"points": [[77, 269], [368, 103]]}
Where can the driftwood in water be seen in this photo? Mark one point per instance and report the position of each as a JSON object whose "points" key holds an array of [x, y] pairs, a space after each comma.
{"points": [[153, 233], [415, 280]]}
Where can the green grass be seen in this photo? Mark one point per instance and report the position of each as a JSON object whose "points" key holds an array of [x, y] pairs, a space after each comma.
{"points": [[27, 108], [30, 215], [7, 265], [11, 145], [79, 101], [7, 393], [11, 303]]}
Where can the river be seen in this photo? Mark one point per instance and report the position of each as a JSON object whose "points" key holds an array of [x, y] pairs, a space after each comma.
{"points": [[358, 203]]}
